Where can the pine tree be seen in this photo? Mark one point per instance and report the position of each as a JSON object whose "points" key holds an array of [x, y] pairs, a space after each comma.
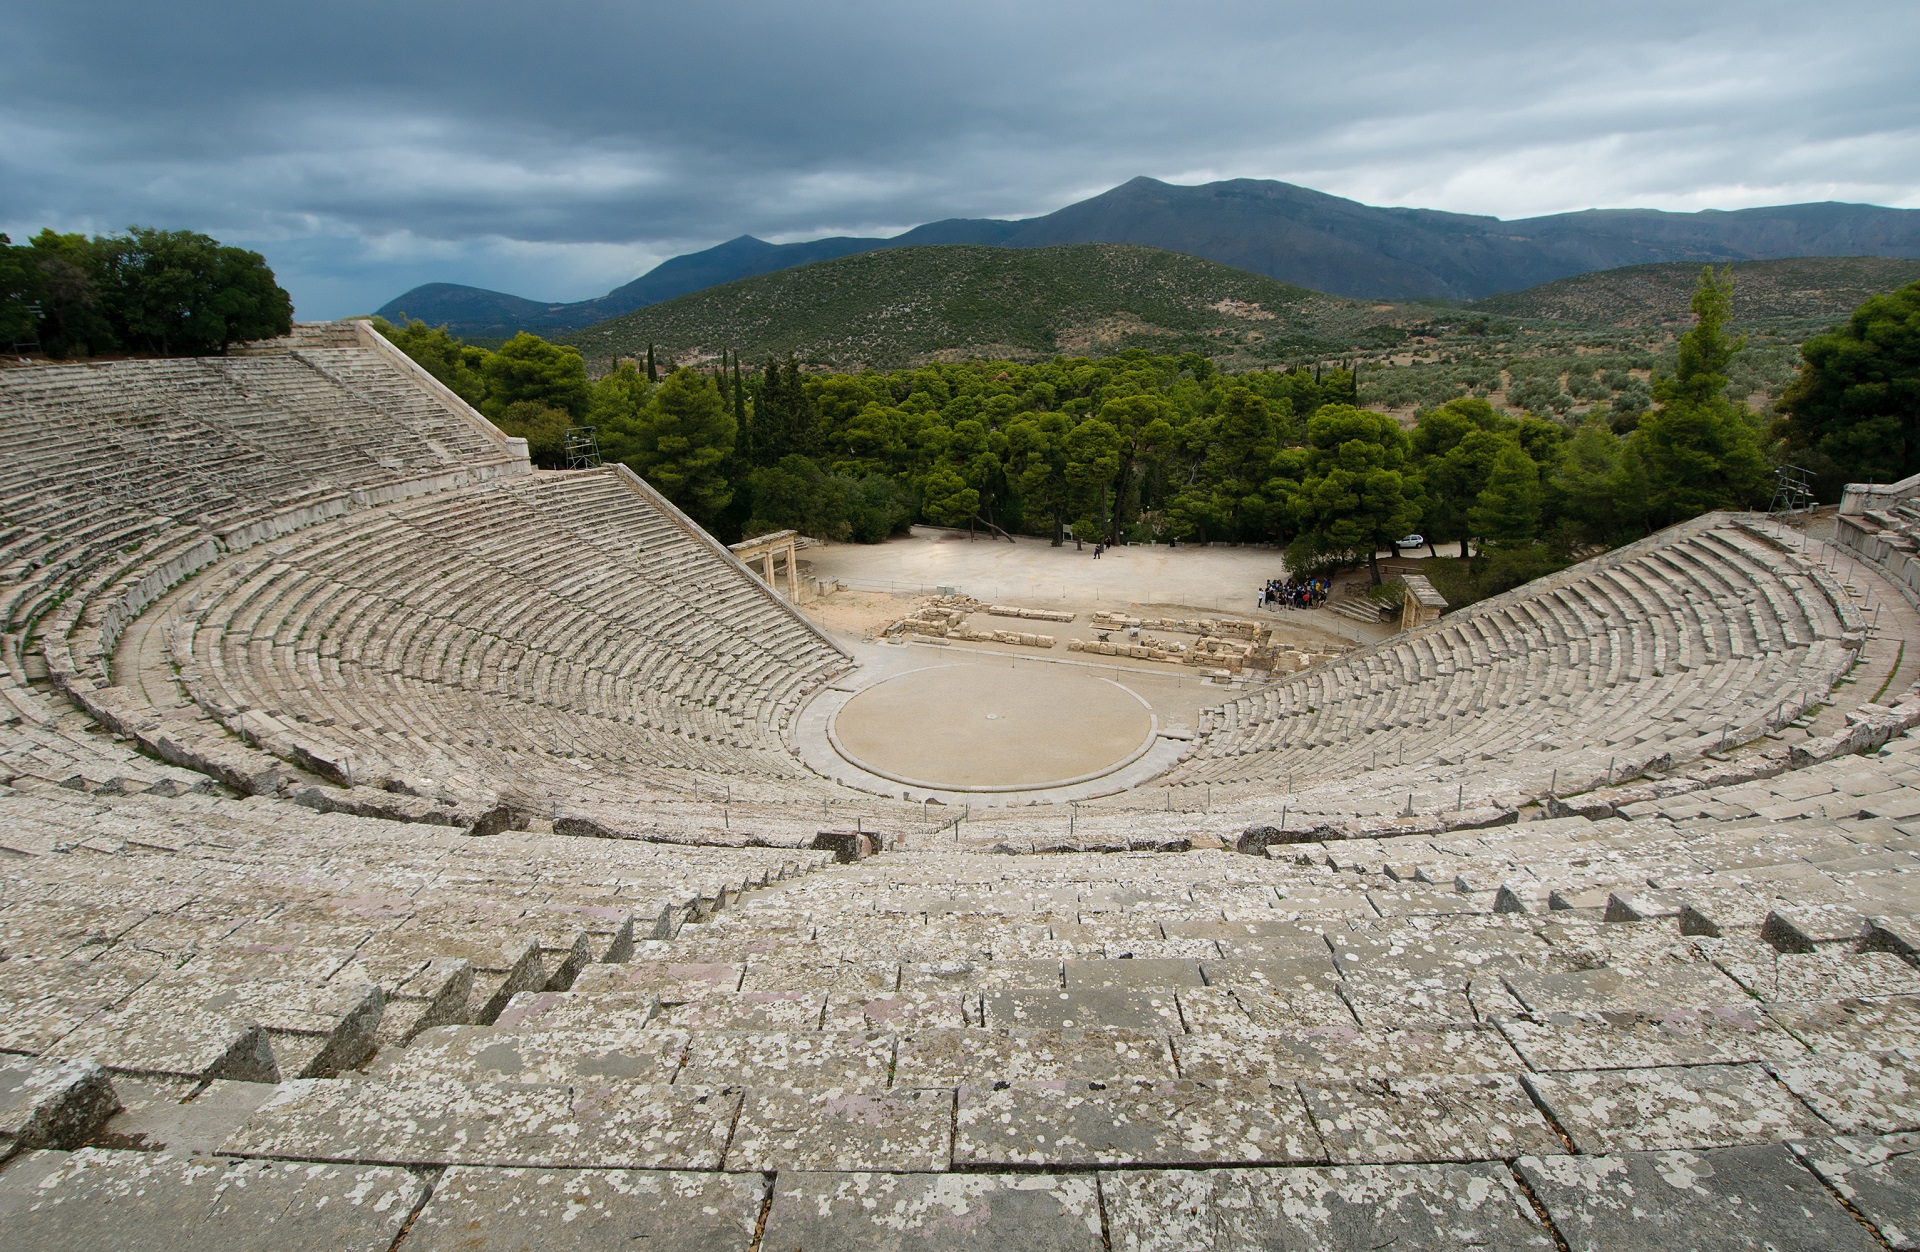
{"points": [[1507, 511], [766, 415], [683, 445], [1355, 497], [1700, 449], [1853, 414]]}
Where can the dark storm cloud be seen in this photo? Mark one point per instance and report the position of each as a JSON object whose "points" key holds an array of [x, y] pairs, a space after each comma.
{"points": [[557, 149]]}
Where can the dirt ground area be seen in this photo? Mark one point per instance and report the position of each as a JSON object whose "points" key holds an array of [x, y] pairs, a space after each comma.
{"points": [[881, 583], [860, 612], [960, 723]]}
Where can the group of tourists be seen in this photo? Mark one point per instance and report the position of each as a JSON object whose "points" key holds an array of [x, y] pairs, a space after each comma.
{"points": [[1295, 593]]}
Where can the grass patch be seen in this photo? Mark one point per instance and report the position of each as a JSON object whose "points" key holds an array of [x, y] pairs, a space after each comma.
{"points": [[1392, 592], [1893, 673], [1468, 581]]}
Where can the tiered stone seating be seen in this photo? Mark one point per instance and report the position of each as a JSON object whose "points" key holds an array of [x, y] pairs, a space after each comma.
{"points": [[380, 602], [122, 479], [234, 1012], [1704, 636], [200, 937], [558, 638], [1444, 1041]]}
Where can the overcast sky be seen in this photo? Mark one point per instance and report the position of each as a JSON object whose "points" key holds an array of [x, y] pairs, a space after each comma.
{"points": [[558, 149]]}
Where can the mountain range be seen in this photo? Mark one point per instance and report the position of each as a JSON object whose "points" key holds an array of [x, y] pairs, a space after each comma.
{"points": [[1293, 234]]}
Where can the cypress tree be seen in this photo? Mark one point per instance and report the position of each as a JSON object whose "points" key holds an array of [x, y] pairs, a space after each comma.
{"points": [[767, 420], [797, 413], [653, 373], [740, 402]]}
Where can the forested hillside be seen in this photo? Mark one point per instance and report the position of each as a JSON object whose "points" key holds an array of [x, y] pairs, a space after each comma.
{"points": [[1597, 339], [908, 306], [1166, 446], [1560, 349], [1766, 294], [1293, 234]]}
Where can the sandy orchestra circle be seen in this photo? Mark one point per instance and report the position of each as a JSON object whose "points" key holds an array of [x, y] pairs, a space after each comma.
{"points": [[971, 726]]}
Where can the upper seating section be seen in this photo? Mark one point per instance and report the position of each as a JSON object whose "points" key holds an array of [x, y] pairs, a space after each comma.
{"points": [[1707, 634], [212, 442], [123, 477]]}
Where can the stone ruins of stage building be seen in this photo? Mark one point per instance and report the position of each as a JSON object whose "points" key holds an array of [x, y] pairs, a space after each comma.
{"points": [[781, 546], [1421, 604]]}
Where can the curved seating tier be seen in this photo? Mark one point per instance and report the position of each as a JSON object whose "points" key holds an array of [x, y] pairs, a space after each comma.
{"points": [[123, 478], [1705, 635], [119, 910], [557, 638]]}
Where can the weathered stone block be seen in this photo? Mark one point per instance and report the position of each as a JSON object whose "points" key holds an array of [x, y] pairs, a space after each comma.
{"points": [[1165, 1123], [482, 1210], [1071, 1010], [1671, 986], [1732, 1198], [94, 1199], [1340, 1051], [1477, 1118], [1836, 1026], [950, 1058], [1138, 974], [897, 1011], [493, 1054], [748, 1010], [796, 1060], [1702, 1106], [896, 1212], [1879, 1177], [52, 1104], [839, 1130], [1347, 1207], [1614, 1040], [1873, 1092], [618, 1125]]}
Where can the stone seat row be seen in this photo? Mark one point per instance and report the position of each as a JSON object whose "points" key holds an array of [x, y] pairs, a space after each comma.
{"points": [[1351, 1037], [1675, 670], [112, 1197], [486, 594], [303, 393], [337, 633], [193, 938]]}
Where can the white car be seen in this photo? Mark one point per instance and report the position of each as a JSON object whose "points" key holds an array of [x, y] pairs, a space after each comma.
{"points": [[1411, 541]]}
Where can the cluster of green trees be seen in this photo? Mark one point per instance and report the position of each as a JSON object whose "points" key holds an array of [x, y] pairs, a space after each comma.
{"points": [[1853, 414], [172, 292], [1131, 447], [1137, 447]]}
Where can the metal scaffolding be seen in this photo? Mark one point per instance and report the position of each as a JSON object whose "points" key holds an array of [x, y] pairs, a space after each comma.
{"points": [[583, 449], [1792, 490]]}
